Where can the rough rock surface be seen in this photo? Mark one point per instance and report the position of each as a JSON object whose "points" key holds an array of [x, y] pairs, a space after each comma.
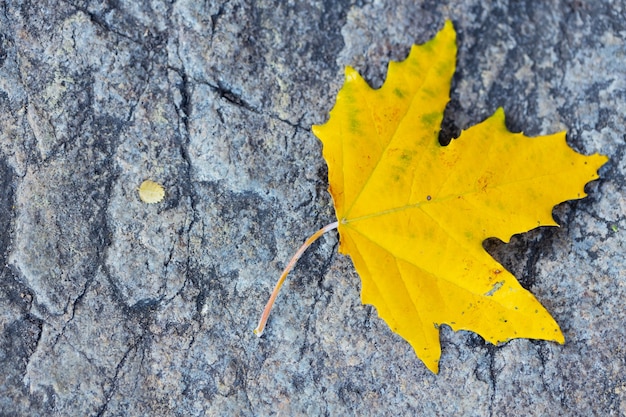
{"points": [[110, 306]]}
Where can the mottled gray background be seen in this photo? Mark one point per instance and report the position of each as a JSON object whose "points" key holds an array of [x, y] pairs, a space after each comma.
{"points": [[113, 307]]}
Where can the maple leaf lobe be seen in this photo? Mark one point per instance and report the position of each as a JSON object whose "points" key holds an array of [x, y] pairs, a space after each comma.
{"points": [[413, 214]]}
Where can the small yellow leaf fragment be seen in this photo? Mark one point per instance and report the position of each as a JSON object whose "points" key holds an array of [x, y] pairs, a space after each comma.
{"points": [[151, 192]]}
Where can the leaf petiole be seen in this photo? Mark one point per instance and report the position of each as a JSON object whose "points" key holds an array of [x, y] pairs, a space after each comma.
{"points": [[268, 307]]}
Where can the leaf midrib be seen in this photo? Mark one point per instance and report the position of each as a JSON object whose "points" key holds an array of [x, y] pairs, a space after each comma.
{"points": [[439, 200]]}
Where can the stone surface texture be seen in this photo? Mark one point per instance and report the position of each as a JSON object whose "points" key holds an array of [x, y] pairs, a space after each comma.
{"points": [[113, 307]]}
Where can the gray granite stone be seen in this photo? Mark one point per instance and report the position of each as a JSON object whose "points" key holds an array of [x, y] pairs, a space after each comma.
{"points": [[110, 306]]}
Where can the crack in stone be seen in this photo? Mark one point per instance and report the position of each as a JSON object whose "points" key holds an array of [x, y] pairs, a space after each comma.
{"points": [[493, 377], [147, 42], [236, 99], [115, 379], [184, 110], [215, 18]]}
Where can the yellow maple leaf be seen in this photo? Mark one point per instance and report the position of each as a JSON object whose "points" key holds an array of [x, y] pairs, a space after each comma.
{"points": [[413, 214]]}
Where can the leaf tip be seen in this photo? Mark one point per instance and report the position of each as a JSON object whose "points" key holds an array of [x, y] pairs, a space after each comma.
{"points": [[448, 25], [434, 368], [445, 39], [602, 159], [351, 74], [499, 113]]}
